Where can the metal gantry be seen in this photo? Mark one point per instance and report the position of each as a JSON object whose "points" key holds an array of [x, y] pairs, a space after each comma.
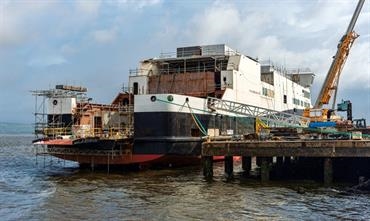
{"points": [[271, 117]]}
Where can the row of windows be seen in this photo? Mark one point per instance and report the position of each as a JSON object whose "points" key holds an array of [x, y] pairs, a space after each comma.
{"points": [[301, 103]]}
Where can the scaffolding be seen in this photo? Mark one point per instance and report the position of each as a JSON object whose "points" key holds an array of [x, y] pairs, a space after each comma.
{"points": [[55, 127], [85, 119]]}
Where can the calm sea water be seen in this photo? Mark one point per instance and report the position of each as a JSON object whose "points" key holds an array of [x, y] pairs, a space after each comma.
{"points": [[60, 191]]}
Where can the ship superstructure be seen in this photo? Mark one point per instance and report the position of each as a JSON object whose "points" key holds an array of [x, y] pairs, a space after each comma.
{"points": [[171, 106], [172, 110]]}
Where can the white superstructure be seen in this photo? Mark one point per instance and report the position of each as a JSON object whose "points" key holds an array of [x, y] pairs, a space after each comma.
{"points": [[237, 77]]}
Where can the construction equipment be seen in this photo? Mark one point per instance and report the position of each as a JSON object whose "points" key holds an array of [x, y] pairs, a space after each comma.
{"points": [[347, 107], [330, 85], [359, 123]]}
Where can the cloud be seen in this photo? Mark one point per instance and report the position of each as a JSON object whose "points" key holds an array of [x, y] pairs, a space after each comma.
{"points": [[291, 33], [79, 40], [147, 3], [45, 61], [67, 49], [104, 35], [15, 17], [10, 33], [88, 7], [214, 23], [137, 4]]}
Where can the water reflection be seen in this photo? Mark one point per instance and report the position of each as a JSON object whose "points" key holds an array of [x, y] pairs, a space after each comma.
{"points": [[55, 192]]}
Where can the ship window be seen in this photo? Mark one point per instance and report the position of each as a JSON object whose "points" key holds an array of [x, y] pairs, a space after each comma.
{"points": [[268, 92], [97, 122], [285, 99], [125, 101], [136, 88], [306, 94], [264, 91], [224, 79], [297, 101]]}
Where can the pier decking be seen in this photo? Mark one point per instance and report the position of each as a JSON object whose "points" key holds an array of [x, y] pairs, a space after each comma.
{"points": [[265, 150]]}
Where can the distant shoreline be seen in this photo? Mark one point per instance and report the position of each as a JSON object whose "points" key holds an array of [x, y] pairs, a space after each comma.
{"points": [[7, 128]]}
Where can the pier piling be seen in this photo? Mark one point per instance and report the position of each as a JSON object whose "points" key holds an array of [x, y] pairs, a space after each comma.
{"points": [[328, 171], [265, 169], [229, 167], [207, 167], [279, 166], [246, 164], [298, 150]]}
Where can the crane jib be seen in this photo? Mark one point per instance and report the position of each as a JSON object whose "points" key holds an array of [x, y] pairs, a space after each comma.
{"points": [[331, 82]]}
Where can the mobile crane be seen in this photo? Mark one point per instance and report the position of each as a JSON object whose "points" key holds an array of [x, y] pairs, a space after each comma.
{"points": [[330, 85]]}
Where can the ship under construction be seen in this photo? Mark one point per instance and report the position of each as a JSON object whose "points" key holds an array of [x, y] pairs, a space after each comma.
{"points": [[171, 105]]}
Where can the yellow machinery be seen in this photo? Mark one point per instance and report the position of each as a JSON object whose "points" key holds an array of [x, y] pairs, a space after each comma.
{"points": [[330, 85]]}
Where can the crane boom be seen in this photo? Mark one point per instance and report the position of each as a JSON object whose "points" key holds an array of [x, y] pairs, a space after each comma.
{"points": [[330, 84]]}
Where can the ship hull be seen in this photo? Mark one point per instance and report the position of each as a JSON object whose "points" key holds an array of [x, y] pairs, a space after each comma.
{"points": [[166, 134], [99, 152], [139, 160]]}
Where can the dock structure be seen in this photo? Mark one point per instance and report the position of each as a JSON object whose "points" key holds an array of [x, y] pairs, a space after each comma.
{"points": [[266, 150]]}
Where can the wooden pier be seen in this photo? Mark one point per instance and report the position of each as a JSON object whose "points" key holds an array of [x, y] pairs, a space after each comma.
{"points": [[266, 150]]}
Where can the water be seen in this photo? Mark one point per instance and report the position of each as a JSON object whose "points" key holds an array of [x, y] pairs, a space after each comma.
{"points": [[63, 192]]}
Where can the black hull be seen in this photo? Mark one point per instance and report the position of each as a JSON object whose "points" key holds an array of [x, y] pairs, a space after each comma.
{"points": [[171, 146], [177, 134]]}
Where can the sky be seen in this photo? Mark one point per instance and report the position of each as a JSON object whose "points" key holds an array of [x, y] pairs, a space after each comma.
{"points": [[95, 43]]}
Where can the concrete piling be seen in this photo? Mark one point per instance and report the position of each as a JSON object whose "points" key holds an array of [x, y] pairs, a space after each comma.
{"points": [[279, 166], [328, 171], [299, 150], [229, 167], [265, 169], [246, 164], [207, 162]]}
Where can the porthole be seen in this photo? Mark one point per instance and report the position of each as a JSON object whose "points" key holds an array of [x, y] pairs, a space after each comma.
{"points": [[55, 102], [170, 98], [153, 98]]}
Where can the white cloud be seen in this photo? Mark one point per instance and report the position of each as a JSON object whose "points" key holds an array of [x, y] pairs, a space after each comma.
{"points": [[9, 33], [137, 4], [356, 72], [298, 33], [45, 61], [14, 17], [104, 35], [291, 33], [88, 7], [67, 49], [147, 3]]}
